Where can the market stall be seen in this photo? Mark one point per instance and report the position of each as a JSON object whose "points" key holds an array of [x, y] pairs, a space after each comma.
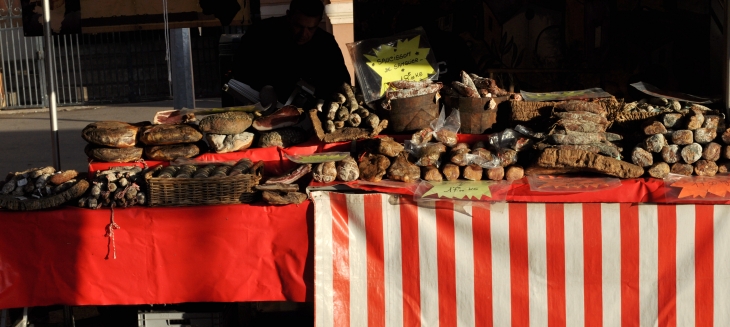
{"points": [[458, 204]]}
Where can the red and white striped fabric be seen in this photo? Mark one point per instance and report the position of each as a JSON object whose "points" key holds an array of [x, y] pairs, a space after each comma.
{"points": [[381, 260]]}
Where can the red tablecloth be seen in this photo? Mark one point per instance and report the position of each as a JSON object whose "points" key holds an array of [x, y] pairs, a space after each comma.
{"points": [[164, 255]]}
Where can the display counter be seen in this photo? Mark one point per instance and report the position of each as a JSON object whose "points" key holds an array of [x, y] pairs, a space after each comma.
{"points": [[626, 254]]}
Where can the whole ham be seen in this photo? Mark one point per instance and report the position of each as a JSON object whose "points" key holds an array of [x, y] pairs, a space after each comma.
{"points": [[283, 117]]}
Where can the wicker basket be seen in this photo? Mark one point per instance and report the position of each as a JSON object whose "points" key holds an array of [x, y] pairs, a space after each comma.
{"points": [[474, 113], [532, 114], [204, 191], [410, 114]]}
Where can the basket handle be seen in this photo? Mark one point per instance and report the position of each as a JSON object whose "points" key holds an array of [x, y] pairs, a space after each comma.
{"points": [[258, 168], [150, 172]]}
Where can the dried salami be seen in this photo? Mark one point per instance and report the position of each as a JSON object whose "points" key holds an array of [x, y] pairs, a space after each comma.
{"points": [[641, 157], [514, 173], [682, 169], [579, 105], [705, 168], [691, 153], [495, 174], [583, 116], [712, 151], [670, 153], [431, 174], [451, 172], [659, 170], [410, 84]]}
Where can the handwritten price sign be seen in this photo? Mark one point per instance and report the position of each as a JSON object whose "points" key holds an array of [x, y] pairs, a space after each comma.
{"points": [[403, 62], [460, 190], [702, 187]]}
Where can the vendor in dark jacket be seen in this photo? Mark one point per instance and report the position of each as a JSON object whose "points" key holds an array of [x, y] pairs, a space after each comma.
{"points": [[281, 51]]}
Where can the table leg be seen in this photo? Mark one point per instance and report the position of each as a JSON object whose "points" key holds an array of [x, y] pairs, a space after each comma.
{"points": [[24, 321], [68, 317]]}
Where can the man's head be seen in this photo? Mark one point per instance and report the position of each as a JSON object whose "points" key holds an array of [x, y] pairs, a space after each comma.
{"points": [[304, 18]]}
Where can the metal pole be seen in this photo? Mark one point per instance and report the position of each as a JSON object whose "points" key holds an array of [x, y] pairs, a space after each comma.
{"points": [[726, 66], [183, 88], [50, 87]]}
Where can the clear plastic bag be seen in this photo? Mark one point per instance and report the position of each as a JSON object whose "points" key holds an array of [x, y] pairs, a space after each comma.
{"points": [[404, 56], [529, 132], [473, 159], [428, 154], [697, 189], [509, 139], [445, 128]]}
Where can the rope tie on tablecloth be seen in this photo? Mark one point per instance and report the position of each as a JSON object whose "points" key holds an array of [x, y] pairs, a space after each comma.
{"points": [[111, 245]]}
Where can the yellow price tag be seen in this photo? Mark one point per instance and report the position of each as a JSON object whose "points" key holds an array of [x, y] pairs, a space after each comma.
{"points": [[406, 61], [458, 190]]}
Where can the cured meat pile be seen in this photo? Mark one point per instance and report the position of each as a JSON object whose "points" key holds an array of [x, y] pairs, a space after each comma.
{"points": [[659, 105], [684, 142], [278, 128], [579, 142], [282, 190], [115, 187], [345, 170], [40, 188], [436, 161], [475, 86], [409, 89], [344, 118]]}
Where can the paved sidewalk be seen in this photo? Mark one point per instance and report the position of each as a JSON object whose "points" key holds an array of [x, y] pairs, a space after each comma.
{"points": [[26, 138]]}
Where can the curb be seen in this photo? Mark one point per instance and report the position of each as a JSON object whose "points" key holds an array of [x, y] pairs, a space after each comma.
{"points": [[42, 110]]}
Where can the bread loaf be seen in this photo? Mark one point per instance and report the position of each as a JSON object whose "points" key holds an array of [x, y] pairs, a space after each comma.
{"points": [[114, 134]]}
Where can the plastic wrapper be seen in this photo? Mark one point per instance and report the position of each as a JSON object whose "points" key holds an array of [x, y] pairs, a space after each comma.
{"points": [[473, 159], [405, 56], [571, 184], [509, 139], [443, 129], [429, 154], [697, 189], [529, 132]]}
